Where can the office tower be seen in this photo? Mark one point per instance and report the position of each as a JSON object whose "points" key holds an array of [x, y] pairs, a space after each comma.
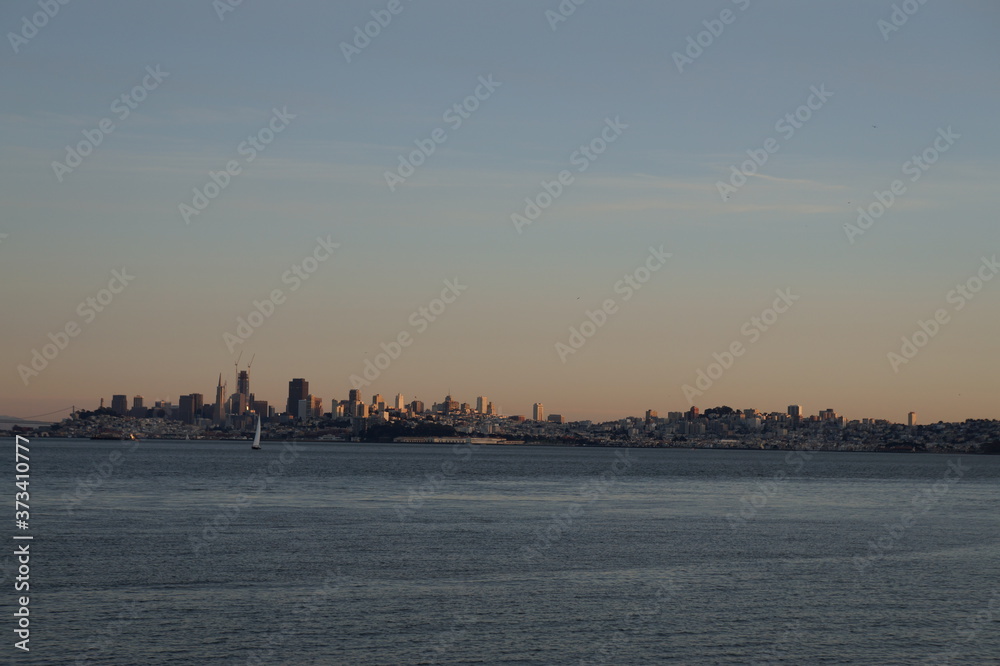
{"points": [[317, 407], [119, 404], [650, 416], [302, 408], [377, 398], [197, 405], [692, 414], [490, 409], [238, 404], [911, 419], [795, 411], [481, 403], [260, 407], [243, 383], [219, 416], [186, 413], [298, 389], [354, 395], [827, 415], [538, 412], [138, 410], [337, 409], [400, 402], [417, 406]]}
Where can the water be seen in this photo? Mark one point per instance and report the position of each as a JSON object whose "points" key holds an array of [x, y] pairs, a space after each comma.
{"points": [[351, 554]]}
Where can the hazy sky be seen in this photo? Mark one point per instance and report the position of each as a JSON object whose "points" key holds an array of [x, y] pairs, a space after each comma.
{"points": [[610, 68]]}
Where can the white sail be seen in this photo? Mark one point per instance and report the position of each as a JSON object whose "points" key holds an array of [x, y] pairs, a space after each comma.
{"points": [[256, 438]]}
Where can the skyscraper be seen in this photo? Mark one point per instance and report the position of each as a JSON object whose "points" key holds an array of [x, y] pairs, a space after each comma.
{"points": [[138, 409], [298, 389], [538, 412], [186, 410], [400, 401], [481, 403], [354, 395], [911, 419], [119, 404], [219, 416], [243, 383]]}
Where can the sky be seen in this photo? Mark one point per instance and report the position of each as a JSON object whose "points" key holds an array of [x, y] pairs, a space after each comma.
{"points": [[589, 142]]}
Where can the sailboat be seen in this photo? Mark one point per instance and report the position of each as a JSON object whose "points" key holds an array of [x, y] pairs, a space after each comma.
{"points": [[256, 438]]}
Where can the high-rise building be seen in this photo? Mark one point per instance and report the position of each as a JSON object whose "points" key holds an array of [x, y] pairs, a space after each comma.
{"points": [[186, 413], [239, 403], [911, 419], [538, 412], [317, 407], [219, 414], [298, 389], [556, 418], [260, 407], [243, 383], [354, 395], [650, 415], [795, 411], [119, 404], [417, 406], [302, 408], [400, 401], [376, 399], [481, 403]]}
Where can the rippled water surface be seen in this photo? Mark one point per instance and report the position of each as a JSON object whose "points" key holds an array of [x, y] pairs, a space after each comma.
{"points": [[207, 552]]}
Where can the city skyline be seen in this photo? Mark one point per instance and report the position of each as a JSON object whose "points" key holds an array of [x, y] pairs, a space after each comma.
{"points": [[604, 225], [478, 403]]}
